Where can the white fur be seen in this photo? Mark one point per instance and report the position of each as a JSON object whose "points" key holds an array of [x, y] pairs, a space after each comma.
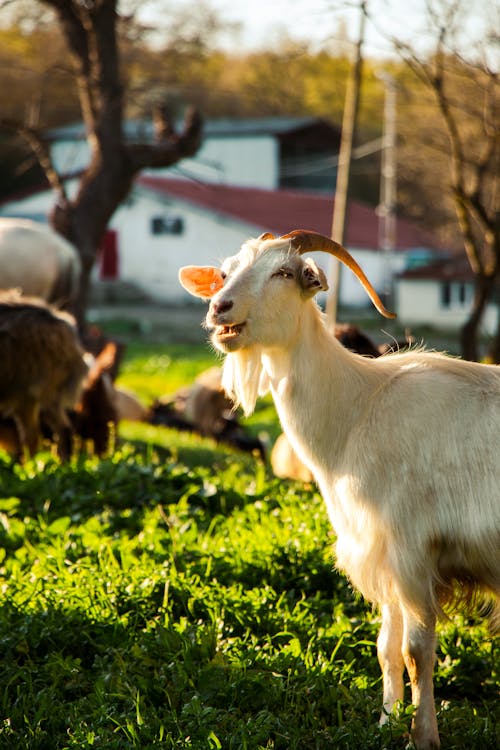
{"points": [[38, 261], [405, 449]]}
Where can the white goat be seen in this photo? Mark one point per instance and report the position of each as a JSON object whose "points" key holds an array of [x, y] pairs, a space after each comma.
{"points": [[38, 261], [405, 448]]}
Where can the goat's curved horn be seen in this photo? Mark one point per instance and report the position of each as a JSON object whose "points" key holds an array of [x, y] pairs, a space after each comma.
{"points": [[267, 236], [308, 241]]}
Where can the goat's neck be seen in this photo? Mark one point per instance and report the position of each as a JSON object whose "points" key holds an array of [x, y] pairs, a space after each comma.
{"points": [[316, 383]]}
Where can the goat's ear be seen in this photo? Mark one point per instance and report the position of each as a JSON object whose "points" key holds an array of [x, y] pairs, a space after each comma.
{"points": [[201, 281], [312, 278]]}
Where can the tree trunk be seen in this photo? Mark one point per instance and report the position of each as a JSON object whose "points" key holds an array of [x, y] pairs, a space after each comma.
{"points": [[90, 32], [83, 221], [494, 350], [469, 331]]}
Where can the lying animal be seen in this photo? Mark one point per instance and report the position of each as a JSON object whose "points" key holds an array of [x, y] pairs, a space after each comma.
{"points": [[204, 408]]}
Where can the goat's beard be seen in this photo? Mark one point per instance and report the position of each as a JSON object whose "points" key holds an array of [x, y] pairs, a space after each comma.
{"points": [[243, 378]]}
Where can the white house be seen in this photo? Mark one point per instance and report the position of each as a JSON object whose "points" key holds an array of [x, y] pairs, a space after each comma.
{"points": [[166, 223], [440, 294], [249, 176], [269, 152]]}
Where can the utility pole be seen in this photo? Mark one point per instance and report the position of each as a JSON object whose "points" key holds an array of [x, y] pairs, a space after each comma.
{"points": [[342, 184], [387, 206]]}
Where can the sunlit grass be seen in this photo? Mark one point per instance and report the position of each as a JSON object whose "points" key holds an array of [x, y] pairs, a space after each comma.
{"points": [[151, 370], [176, 595]]}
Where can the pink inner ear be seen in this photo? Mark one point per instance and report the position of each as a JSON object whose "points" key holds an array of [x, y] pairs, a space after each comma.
{"points": [[202, 281]]}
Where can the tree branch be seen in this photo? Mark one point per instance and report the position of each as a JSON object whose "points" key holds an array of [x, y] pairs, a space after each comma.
{"points": [[170, 146], [72, 18], [41, 150]]}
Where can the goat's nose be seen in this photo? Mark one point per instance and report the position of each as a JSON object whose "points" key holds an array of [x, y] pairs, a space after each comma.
{"points": [[221, 307]]}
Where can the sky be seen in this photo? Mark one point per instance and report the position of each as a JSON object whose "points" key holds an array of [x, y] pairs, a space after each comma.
{"points": [[317, 20], [263, 23]]}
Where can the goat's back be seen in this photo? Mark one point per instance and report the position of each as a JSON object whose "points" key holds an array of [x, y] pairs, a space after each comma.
{"points": [[37, 260], [40, 355], [417, 490]]}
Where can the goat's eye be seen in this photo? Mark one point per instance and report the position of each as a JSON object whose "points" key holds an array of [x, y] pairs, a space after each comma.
{"points": [[223, 274], [284, 273]]}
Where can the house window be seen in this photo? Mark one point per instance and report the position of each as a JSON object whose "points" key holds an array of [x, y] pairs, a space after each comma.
{"points": [[167, 225], [456, 294], [462, 294], [445, 294]]}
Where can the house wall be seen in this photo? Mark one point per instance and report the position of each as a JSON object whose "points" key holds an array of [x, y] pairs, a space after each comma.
{"points": [[33, 207], [70, 156], [419, 302], [152, 261], [247, 161], [373, 264]]}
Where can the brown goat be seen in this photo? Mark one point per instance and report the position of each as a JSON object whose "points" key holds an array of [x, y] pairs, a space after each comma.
{"points": [[205, 408], [95, 414], [9, 438], [358, 342], [206, 403], [41, 367], [352, 338]]}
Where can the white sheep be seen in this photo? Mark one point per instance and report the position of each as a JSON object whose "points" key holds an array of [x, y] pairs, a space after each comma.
{"points": [[405, 449], [38, 261]]}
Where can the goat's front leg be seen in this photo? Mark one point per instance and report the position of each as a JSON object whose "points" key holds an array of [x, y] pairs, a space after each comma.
{"points": [[419, 651], [27, 421], [390, 657]]}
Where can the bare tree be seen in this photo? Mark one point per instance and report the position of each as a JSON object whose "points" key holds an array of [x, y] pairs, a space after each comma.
{"points": [[89, 28], [466, 90]]}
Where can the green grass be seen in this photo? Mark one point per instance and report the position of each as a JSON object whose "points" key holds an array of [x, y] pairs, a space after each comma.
{"points": [[152, 370], [176, 595]]}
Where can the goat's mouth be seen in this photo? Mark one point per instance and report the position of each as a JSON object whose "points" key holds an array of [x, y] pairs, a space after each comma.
{"points": [[228, 332], [227, 338]]}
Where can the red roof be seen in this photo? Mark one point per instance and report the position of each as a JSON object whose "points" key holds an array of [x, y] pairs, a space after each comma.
{"points": [[280, 211]]}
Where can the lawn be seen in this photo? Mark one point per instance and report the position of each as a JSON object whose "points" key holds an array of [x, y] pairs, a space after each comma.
{"points": [[176, 595]]}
